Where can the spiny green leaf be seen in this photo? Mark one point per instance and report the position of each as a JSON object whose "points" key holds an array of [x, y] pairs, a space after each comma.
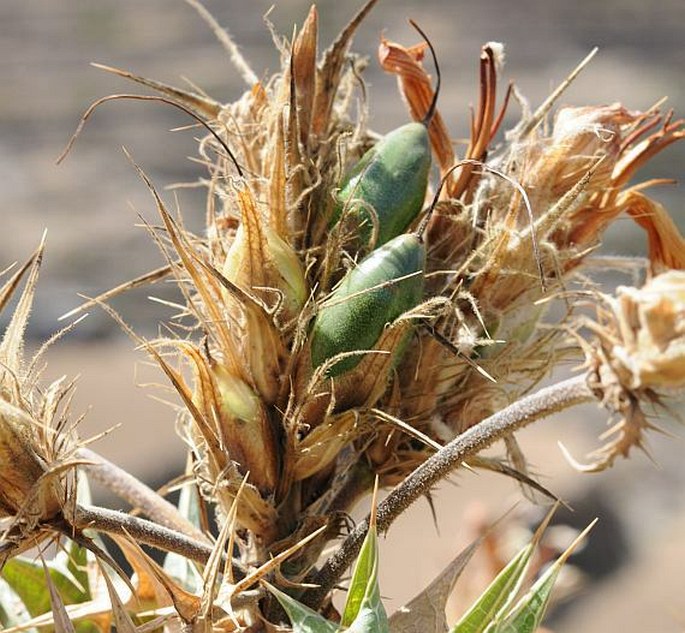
{"points": [[501, 591], [371, 617], [425, 613], [526, 616], [364, 611], [302, 618], [365, 570]]}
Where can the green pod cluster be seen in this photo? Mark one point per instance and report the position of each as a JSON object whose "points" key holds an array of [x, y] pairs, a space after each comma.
{"points": [[391, 179], [386, 284]]}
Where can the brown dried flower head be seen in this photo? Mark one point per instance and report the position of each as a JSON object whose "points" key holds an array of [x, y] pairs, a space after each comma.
{"points": [[649, 352], [635, 356], [36, 439]]}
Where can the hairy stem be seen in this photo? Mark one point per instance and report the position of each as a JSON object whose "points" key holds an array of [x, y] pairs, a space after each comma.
{"points": [[143, 532], [127, 487], [539, 405]]}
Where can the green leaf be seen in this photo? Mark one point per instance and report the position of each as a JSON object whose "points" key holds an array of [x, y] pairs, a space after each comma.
{"points": [[527, 615], [69, 577], [27, 579], [364, 611], [371, 617], [302, 618], [425, 613], [76, 562], [501, 591]]}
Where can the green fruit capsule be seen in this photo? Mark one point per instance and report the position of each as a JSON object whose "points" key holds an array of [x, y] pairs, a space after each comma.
{"points": [[386, 284], [391, 179]]}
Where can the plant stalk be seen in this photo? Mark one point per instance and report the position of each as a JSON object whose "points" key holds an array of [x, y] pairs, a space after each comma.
{"points": [[140, 496], [541, 404], [143, 532]]}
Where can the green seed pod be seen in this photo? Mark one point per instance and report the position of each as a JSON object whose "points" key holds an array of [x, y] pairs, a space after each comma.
{"points": [[385, 284], [391, 178]]}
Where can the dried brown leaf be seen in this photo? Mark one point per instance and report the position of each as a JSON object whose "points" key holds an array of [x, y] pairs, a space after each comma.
{"points": [[304, 72], [328, 75], [426, 612], [61, 618], [154, 584]]}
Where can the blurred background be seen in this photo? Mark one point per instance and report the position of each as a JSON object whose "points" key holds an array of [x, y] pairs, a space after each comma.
{"points": [[89, 206]]}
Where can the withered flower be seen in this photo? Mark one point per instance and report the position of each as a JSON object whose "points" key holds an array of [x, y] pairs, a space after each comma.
{"points": [[636, 356], [36, 439], [650, 321]]}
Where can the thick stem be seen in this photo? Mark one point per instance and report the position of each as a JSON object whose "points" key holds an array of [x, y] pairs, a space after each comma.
{"points": [[148, 533], [127, 487], [144, 532], [539, 405]]}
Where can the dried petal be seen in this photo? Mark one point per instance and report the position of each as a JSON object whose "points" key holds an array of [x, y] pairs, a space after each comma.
{"points": [[304, 71], [666, 244], [651, 324], [415, 88]]}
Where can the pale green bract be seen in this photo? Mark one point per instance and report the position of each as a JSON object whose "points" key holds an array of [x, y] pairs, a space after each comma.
{"points": [[498, 596]]}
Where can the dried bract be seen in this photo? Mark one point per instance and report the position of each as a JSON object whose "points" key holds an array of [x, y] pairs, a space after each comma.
{"points": [[36, 439], [636, 357]]}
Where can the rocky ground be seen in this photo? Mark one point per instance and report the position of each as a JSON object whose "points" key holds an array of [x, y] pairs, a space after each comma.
{"points": [[89, 206]]}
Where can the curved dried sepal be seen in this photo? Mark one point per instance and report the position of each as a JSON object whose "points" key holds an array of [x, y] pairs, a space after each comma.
{"points": [[320, 448], [304, 71], [235, 416], [328, 75], [415, 87], [202, 106], [254, 512], [259, 259]]}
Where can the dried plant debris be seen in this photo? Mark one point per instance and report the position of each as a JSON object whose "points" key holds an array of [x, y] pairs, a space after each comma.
{"points": [[635, 355], [37, 438], [327, 343]]}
